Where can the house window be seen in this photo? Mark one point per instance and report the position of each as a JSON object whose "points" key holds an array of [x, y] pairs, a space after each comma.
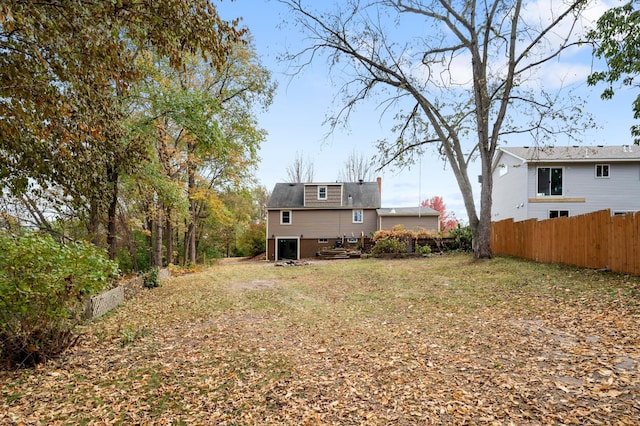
{"points": [[357, 216], [558, 213], [323, 240], [602, 170], [352, 240], [322, 193], [285, 217], [549, 181]]}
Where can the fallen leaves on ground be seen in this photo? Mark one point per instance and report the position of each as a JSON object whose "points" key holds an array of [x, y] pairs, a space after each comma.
{"points": [[429, 341]]}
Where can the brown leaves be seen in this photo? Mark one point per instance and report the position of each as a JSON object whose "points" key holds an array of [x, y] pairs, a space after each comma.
{"points": [[351, 343]]}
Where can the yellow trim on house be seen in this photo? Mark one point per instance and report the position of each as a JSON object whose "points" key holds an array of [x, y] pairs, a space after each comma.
{"points": [[558, 200]]}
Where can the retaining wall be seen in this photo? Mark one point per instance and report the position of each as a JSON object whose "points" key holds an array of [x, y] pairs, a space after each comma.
{"points": [[103, 303]]}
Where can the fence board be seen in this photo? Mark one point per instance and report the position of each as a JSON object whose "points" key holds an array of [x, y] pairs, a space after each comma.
{"points": [[637, 246], [594, 240], [636, 255], [617, 261]]}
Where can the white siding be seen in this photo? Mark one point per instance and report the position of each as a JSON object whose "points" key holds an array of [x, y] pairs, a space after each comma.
{"points": [[509, 189], [515, 186], [619, 192]]}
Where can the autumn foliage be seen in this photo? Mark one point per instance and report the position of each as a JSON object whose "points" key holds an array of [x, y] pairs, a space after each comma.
{"points": [[448, 219], [399, 232], [111, 108], [396, 239]]}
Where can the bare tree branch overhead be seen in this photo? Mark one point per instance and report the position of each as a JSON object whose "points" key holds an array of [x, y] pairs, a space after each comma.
{"points": [[454, 75]]}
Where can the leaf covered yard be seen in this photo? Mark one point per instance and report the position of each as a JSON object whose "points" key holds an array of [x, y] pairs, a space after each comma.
{"points": [[440, 340]]}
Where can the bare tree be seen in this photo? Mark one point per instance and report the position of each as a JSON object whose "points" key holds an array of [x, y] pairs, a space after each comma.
{"points": [[301, 170], [357, 167], [461, 83]]}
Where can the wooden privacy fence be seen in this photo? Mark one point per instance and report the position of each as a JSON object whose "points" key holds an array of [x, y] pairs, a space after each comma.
{"points": [[595, 240]]}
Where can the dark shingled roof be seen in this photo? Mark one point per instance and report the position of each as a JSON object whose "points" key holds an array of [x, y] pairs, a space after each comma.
{"points": [[365, 195], [286, 196]]}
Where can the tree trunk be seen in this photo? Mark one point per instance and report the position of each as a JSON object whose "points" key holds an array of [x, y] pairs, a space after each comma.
{"points": [[176, 238], [93, 223], [480, 226], [131, 244], [157, 240], [190, 240], [112, 175], [190, 244], [187, 242], [169, 234], [481, 242], [148, 227]]}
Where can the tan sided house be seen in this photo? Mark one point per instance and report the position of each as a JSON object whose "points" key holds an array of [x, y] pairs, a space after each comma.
{"points": [[304, 218]]}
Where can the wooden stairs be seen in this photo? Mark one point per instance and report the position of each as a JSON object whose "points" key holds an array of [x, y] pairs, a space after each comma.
{"points": [[338, 253]]}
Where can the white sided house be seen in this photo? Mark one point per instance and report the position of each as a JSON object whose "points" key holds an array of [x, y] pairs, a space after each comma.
{"points": [[304, 218], [547, 182]]}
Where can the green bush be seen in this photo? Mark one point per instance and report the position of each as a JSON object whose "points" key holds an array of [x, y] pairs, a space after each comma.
{"points": [[151, 278], [253, 241], [424, 250], [44, 287], [388, 246], [462, 238]]}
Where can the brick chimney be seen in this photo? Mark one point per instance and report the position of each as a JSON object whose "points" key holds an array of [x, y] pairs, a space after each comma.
{"points": [[379, 180]]}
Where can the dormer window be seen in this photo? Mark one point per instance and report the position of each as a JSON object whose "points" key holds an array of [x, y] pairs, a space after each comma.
{"points": [[322, 193]]}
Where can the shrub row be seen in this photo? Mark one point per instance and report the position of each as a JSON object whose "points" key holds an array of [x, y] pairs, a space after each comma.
{"points": [[44, 286], [397, 239]]}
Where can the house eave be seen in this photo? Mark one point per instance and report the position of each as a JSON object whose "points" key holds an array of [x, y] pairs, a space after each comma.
{"points": [[584, 160], [408, 215], [302, 208]]}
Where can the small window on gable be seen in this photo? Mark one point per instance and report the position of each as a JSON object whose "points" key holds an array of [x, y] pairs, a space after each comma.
{"points": [[322, 193], [602, 170], [558, 213], [358, 216], [285, 217], [503, 169]]}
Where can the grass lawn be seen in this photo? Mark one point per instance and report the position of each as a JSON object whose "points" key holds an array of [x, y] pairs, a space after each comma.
{"points": [[439, 340]]}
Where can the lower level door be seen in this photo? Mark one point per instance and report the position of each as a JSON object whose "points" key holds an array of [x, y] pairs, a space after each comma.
{"points": [[287, 248]]}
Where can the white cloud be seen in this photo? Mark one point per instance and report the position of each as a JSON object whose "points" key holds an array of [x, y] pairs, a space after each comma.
{"points": [[456, 72], [543, 12], [555, 75], [573, 65]]}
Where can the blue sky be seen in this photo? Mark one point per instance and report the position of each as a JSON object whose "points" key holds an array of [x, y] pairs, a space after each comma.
{"points": [[294, 121]]}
